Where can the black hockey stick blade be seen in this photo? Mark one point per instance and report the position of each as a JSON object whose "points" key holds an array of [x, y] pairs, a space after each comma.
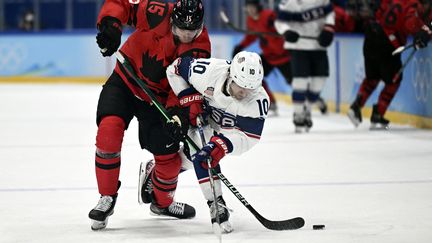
{"points": [[289, 224]]}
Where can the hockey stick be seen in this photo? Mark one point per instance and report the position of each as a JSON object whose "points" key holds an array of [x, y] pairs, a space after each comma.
{"points": [[226, 21], [401, 49], [212, 185], [289, 224], [400, 71]]}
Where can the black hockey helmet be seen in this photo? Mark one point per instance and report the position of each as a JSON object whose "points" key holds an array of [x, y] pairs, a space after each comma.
{"points": [[188, 14]]}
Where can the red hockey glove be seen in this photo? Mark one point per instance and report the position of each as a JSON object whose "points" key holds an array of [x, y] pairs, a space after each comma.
{"points": [[214, 150], [192, 102]]}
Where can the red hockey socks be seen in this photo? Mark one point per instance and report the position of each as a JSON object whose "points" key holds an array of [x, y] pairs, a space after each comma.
{"points": [[386, 96], [366, 89], [109, 139], [167, 168]]}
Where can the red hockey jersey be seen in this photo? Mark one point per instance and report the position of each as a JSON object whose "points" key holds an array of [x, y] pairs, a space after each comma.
{"points": [[151, 48], [272, 46], [400, 18]]}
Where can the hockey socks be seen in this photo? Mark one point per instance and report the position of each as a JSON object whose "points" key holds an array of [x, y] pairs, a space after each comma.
{"points": [[107, 160]]}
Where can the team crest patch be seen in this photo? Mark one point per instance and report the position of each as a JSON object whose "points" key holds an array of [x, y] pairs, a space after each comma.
{"points": [[209, 91], [241, 59]]}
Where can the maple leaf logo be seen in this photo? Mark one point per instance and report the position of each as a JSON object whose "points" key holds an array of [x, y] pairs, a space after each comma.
{"points": [[152, 68]]}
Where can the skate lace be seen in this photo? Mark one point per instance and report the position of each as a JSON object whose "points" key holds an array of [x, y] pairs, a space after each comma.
{"points": [[149, 184], [104, 203], [221, 209], [176, 208]]}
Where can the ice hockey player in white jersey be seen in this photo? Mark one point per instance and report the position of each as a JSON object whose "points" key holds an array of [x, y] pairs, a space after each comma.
{"points": [[234, 105], [298, 21]]}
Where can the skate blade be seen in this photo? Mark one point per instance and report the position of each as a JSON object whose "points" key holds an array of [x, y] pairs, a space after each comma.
{"points": [[224, 228], [99, 225], [298, 129], [353, 119], [378, 127], [140, 181]]}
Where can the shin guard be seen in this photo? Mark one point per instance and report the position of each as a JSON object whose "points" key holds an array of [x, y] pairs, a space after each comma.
{"points": [[167, 168], [366, 89], [386, 96], [108, 146]]}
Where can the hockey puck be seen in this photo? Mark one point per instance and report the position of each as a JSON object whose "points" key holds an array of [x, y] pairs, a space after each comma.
{"points": [[318, 226]]}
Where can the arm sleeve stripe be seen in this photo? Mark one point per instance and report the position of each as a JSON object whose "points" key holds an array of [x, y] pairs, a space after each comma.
{"points": [[183, 67], [252, 127]]}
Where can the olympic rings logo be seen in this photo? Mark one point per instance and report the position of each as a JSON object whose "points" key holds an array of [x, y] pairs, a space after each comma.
{"points": [[12, 55], [421, 78]]}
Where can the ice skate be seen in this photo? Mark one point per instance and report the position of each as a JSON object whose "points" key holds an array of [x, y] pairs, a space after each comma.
{"points": [[322, 106], [378, 122], [354, 114], [103, 210], [145, 185], [299, 123], [176, 210], [222, 214], [308, 121]]}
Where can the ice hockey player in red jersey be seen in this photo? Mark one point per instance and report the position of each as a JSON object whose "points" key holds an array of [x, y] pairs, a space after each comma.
{"points": [[273, 54], [394, 22], [164, 33]]}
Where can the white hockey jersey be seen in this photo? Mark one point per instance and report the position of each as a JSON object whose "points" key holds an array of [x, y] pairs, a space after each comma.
{"points": [[242, 121], [307, 18]]}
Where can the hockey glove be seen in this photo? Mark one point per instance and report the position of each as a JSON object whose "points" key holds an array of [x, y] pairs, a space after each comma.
{"points": [[326, 36], [291, 36], [236, 50], [178, 127], [192, 103], [422, 37], [215, 150], [109, 36]]}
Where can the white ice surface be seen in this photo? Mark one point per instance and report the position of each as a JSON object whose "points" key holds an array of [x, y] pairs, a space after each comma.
{"points": [[364, 186]]}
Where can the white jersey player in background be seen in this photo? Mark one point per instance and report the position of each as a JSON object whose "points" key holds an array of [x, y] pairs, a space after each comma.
{"points": [[234, 105], [310, 67]]}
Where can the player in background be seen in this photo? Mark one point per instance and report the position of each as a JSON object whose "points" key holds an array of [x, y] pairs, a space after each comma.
{"points": [[165, 32], [309, 61], [273, 53], [231, 99], [344, 22], [394, 21]]}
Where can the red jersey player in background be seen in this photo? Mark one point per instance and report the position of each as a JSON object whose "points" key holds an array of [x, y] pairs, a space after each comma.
{"points": [[344, 22], [273, 53], [394, 21], [164, 32]]}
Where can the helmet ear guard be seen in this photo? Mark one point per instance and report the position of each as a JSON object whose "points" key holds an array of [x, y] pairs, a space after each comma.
{"points": [[188, 14], [246, 70]]}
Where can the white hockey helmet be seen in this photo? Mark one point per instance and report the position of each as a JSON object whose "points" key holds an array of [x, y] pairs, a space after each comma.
{"points": [[247, 70]]}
